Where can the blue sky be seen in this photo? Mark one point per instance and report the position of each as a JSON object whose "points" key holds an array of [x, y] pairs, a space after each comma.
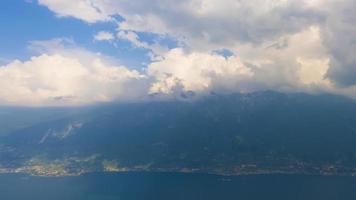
{"points": [[26, 21]]}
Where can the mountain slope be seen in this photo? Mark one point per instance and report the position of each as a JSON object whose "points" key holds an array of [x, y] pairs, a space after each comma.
{"points": [[228, 134]]}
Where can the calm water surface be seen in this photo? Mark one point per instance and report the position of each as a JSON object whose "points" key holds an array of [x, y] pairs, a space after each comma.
{"points": [[174, 186]]}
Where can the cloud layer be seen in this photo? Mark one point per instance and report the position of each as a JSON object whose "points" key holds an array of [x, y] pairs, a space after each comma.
{"points": [[66, 77], [285, 45]]}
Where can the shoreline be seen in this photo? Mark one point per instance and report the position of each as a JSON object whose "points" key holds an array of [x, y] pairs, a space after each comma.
{"points": [[256, 173]]}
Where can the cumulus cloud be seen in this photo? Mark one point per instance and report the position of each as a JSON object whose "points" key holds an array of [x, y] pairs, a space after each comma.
{"points": [[297, 62], [104, 36], [132, 37], [156, 50], [199, 22], [291, 62], [197, 72], [67, 77], [339, 34], [203, 24], [86, 10], [286, 45], [206, 25]]}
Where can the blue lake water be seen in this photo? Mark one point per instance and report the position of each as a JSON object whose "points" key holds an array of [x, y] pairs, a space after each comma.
{"points": [[176, 186]]}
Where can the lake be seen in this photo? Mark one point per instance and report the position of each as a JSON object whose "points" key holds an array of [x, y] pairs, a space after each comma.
{"points": [[176, 186]]}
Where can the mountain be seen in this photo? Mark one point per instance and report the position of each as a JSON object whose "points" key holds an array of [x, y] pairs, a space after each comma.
{"points": [[264, 132], [15, 118]]}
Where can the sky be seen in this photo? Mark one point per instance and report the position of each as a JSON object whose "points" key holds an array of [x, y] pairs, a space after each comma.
{"points": [[80, 52]]}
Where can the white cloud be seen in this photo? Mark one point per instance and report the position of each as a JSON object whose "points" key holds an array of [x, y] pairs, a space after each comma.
{"points": [[339, 35], [287, 45], [199, 72], [210, 24], [207, 25], [291, 62], [313, 71], [156, 50], [200, 23], [86, 10], [132, 37], [67, 77], [104, 36]]}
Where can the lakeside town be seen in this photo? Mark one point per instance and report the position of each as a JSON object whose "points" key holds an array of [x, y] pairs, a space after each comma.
{"points": [[74, 166]]}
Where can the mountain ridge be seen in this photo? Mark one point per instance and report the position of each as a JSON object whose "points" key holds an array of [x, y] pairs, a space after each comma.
{"points": [[224, 134]]}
